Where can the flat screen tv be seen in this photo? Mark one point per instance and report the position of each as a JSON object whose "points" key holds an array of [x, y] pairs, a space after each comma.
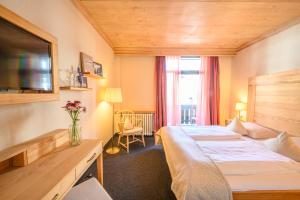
{"points": [[25, 61]]}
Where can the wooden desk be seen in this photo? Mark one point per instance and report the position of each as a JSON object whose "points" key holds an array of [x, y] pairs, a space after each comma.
{"points": [[53, 175]]}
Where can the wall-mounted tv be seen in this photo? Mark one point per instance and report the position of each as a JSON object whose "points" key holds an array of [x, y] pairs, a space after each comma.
{"points": [[25, 61]]}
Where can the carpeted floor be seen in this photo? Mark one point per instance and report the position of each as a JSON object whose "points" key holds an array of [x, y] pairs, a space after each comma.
{"points": [[142, 174]]}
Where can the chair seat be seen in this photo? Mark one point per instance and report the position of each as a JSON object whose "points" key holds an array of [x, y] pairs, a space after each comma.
{"points": [[133, 131]]}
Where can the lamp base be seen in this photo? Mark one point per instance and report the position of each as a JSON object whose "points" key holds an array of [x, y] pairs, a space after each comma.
{"points": [[113, 150]]}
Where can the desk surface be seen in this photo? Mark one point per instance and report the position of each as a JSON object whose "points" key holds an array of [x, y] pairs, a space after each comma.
{"points": [[35, 180]]}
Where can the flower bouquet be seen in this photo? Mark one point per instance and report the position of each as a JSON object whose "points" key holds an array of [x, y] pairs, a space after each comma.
{"points": [[74, 109]]}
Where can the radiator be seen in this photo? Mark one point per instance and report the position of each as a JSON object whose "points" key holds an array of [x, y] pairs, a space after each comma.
{"points": [[147, 119]]}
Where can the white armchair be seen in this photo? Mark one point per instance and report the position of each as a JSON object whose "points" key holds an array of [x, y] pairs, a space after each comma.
{"points": [[129, 127]]}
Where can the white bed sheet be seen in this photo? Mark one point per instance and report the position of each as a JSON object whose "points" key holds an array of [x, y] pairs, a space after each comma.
{"points": [[248, 165], [210, 133]]}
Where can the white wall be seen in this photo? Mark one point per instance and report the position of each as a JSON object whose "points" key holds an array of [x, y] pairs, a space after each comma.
{"points": [[274, 54], [136, 78], [74, 34]]}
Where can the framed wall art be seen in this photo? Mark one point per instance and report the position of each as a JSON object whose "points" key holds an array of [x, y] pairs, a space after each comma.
{"points": [[86, 63]]}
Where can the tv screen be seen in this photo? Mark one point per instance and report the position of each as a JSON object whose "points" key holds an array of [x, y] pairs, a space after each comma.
{"points": [[25, 60]]}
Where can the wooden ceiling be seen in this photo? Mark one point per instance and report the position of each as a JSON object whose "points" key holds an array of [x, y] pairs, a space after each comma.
{"points": [[187, 27]]}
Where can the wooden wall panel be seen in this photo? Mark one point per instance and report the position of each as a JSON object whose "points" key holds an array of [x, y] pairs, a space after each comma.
{"points": [[276, 102], [278, 112], [278, 90], [281, 77], [279, 124], [283, 106], [251, 103]]}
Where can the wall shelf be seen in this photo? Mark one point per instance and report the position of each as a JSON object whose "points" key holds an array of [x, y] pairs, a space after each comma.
{"points": [[92, 75], [75, 88]]}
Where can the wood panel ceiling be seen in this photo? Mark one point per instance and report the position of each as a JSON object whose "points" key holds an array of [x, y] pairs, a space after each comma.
{"points": [[187, 27]]}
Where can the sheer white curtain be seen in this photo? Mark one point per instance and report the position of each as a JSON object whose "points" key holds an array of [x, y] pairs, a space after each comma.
{"points": [[173, 105]]}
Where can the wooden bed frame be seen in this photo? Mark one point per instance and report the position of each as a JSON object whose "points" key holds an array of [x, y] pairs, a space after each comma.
{"points": [[274, 102]]}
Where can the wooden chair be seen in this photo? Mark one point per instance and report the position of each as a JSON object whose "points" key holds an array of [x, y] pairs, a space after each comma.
{"points": [[135, 131]]}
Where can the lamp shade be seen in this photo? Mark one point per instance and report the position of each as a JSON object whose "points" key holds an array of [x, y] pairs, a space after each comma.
{"points": [[113, 95], [239, 106]]}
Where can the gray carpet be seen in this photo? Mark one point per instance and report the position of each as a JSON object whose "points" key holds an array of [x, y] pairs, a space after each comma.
{"points": [[141, 175]]}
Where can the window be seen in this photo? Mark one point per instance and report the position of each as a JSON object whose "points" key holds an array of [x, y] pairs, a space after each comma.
{"points": [[183, 89]]}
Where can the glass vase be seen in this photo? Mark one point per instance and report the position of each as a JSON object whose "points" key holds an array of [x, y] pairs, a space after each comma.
{"points": [[74, 134]]}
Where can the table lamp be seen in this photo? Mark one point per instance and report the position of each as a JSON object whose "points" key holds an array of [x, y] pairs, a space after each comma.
{"points": [[113, 95]]}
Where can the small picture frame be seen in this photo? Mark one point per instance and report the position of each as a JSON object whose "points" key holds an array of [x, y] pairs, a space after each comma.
{"points": [[82, 81], [98, 69]]}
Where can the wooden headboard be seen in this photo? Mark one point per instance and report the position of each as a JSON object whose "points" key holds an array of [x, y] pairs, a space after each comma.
{"points": [[274, 101]]}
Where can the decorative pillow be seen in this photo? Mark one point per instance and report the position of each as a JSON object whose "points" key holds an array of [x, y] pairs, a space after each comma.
{"points": [[237, 126], [285, 145], [128, 125], [256, 131]]}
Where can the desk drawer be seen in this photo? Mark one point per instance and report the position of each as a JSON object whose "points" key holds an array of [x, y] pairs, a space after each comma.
{"points": [[92, 171], [62, 187], [87, 161]]}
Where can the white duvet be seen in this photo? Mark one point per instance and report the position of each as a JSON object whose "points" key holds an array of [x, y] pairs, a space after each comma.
{"points": [[245, 165], [194, 175], [249, 165]]}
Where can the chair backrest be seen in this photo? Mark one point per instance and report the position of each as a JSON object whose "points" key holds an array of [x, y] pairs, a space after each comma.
{"points": [[126, 114], [121, 116]]}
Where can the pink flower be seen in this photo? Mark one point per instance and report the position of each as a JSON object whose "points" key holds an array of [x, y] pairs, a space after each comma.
{"points": [[74, 108]]}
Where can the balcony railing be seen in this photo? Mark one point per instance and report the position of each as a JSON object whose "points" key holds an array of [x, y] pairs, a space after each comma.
{"points": [[188, 114]]}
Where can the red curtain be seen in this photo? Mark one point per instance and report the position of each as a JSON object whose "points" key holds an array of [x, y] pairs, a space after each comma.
{"points": [[161, 95], [211, 90]]}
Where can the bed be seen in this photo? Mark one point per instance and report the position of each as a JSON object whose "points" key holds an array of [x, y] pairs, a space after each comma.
{"points": [[273, 101]]}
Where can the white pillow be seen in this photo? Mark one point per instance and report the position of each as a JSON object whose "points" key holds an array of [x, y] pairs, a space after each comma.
{"points": [[236, 126], [284, 145], [259, 132], [128, 125]]}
